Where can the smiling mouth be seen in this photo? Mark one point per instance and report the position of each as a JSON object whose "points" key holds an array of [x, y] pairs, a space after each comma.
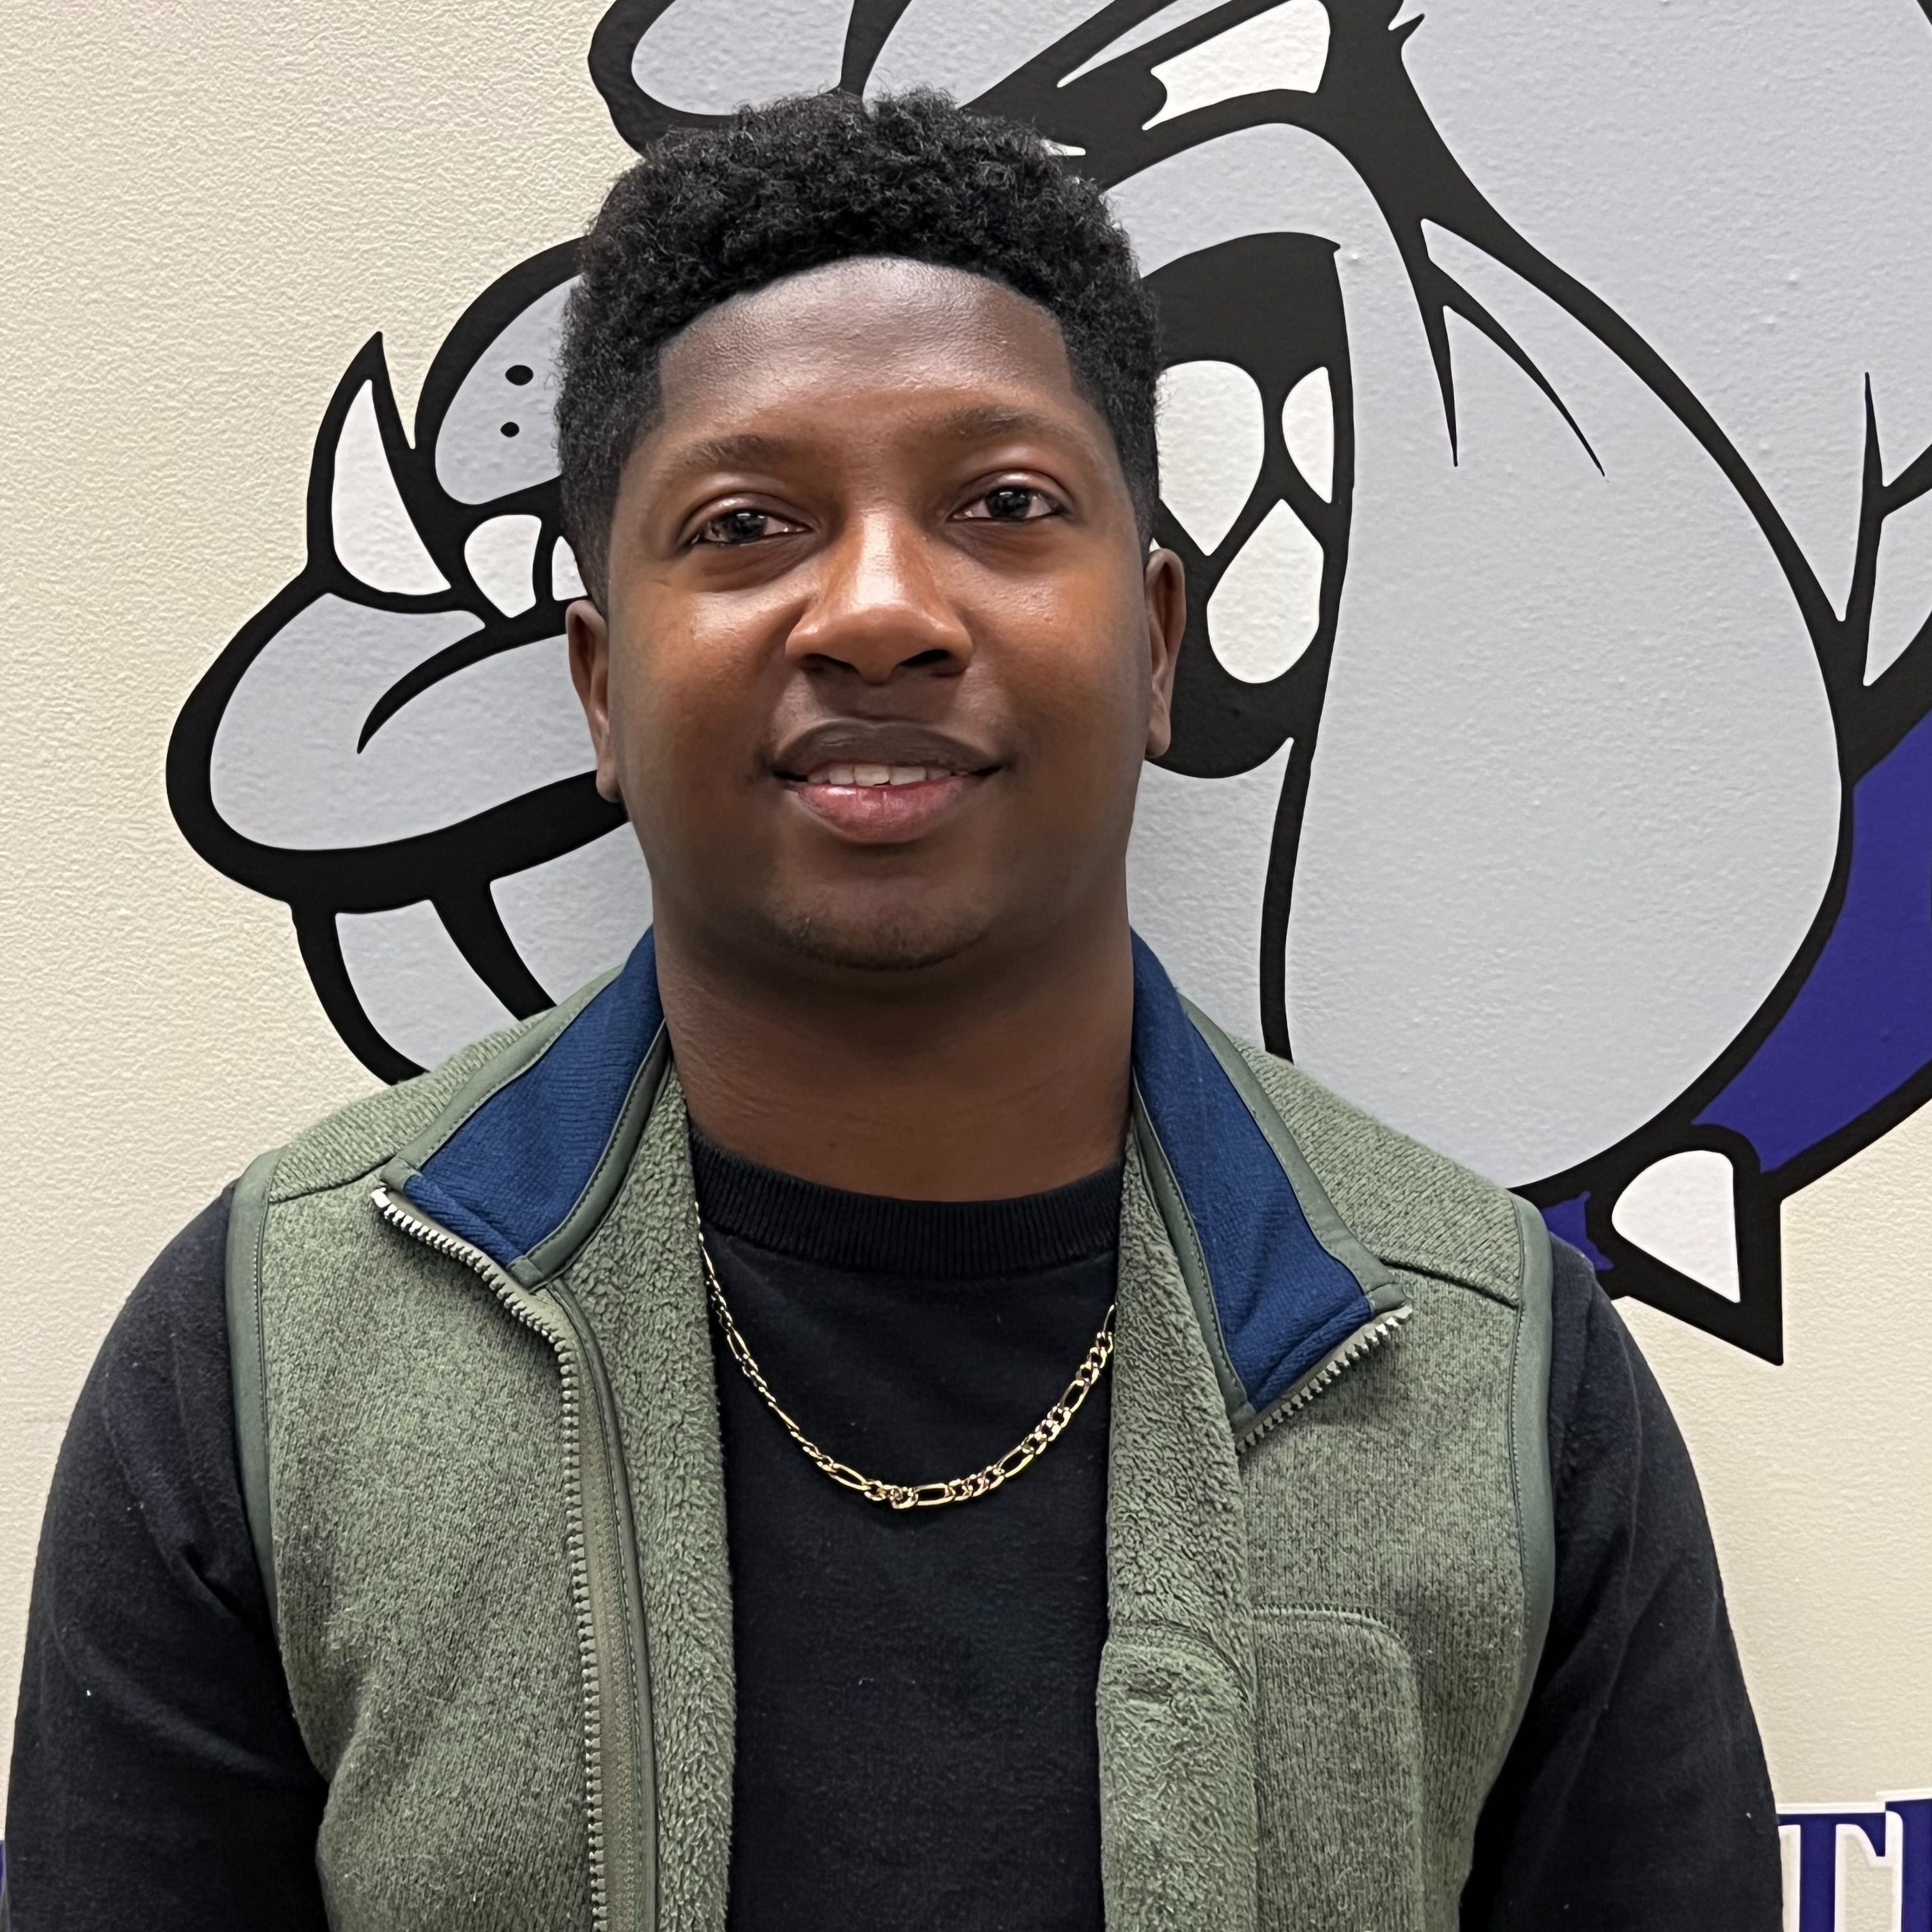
{"points": [[868, 777], [880, 804]]}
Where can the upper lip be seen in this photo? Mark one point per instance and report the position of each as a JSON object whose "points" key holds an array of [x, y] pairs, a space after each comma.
{"points": [[855, 741]]}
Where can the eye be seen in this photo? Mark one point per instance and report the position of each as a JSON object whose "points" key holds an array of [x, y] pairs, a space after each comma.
{"points": [[743, 526], [1012, 503]]}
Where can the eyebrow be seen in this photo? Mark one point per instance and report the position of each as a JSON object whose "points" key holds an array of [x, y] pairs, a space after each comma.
{"points": [[979, 422], [982, 421], [744, 450]]}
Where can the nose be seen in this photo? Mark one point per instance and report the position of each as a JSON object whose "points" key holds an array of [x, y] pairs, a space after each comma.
{"points": [[881, 606]]}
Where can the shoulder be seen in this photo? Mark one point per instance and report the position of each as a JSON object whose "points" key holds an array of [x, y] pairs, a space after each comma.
{"points": [[1410, 1207], [1611, 1434], [168, 1349], [148, 1465]]}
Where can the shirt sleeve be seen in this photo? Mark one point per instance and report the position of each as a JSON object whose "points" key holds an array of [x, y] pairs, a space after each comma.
{"points": [[1635, 1792], [159, 1780]]}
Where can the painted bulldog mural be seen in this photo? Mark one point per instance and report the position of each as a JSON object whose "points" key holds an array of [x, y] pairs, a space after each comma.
{"points": [[1553, 772]]}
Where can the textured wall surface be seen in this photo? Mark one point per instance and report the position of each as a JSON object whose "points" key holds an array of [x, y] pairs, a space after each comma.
{"points": [[211, 208], [1617, 765]]}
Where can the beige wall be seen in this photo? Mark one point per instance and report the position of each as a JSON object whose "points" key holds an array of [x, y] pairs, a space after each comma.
{"points": [[209, 208]]}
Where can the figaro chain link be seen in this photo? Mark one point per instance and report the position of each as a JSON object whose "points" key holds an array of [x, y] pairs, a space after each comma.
{"points": [[916, 1496]]}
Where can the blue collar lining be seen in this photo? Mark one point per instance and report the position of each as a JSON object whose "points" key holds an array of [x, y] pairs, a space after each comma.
{"points": [[512, 1171], [1282, 1300]]}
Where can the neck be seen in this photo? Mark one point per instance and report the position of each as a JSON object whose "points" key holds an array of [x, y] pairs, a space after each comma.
{"points": [[979, 1079]]}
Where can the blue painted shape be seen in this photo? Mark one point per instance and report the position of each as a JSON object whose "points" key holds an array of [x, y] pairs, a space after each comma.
{"points": [[510, 1175], [1284, 1300], [1861, 1025], [1818, 1859], [1915, 1878], [1565, 1219]]}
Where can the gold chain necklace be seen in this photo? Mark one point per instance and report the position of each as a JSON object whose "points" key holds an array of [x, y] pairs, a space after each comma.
{"points": [[916, 1496]]}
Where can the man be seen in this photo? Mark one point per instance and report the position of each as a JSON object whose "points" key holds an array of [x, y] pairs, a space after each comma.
{"points": [[878, 1414]]}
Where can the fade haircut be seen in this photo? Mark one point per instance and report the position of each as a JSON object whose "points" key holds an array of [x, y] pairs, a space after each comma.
{"points": [[709, 213]]}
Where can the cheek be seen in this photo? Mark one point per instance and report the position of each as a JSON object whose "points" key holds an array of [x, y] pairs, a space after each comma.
{"points": [[1086, 740], [1084, 682], [682, 723]]}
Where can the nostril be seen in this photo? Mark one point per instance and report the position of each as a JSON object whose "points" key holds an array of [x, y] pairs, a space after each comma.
{"points": [[931, 657]]}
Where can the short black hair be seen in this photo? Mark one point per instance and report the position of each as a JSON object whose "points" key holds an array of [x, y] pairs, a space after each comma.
{"points": [[710, 213]]}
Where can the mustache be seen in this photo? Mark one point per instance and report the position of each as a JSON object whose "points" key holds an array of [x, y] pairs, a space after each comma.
{"points": [[861, 741]]}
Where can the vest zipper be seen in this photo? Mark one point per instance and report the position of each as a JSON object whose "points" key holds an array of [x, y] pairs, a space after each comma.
{"points": [[619, 1775], [1326, 1373]]}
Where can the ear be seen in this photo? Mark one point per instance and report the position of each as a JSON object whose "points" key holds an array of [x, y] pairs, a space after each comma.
{"points": [[1166, 588], [588, 632]]}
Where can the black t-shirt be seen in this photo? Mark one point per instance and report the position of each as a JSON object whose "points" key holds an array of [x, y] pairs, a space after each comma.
{"points": [[915, 1694], [916, 1736]]}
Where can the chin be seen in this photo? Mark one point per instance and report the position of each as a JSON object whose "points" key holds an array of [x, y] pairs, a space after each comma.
{"points": [[899, 941]]}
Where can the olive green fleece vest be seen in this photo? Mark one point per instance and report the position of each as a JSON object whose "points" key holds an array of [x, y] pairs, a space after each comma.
{"points": [[1322, 1639]]}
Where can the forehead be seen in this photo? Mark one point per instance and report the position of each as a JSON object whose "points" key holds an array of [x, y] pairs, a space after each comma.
{"points": [[870, 327]]}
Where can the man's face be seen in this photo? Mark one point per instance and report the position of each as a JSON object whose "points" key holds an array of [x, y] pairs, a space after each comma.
{"points": [[882, 652]]}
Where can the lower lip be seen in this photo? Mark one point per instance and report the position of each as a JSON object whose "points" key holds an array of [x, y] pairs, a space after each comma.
{"points": [[883, 815]]}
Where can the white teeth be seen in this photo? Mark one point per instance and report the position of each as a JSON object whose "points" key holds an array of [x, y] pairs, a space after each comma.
{"points": [[876, 774]]}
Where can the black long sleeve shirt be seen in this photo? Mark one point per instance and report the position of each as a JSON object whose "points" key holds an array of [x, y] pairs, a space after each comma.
{"points": [[916, 1739]]}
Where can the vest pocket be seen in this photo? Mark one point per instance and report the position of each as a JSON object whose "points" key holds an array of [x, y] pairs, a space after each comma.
{"points": [[1338, 1743], [1177, 1786]]}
